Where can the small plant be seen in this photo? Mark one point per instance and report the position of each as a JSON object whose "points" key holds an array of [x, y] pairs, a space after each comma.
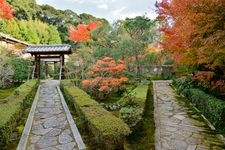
{"points": [[131, 115], [128, 98]]}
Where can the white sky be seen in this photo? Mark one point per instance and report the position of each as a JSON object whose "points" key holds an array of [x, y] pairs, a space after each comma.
{"points": [[111, 10]]}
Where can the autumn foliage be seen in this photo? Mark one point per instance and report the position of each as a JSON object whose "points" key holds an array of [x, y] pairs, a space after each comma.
{"points": [[5, 11], [194, 30], [82, 32], [105, 75]]}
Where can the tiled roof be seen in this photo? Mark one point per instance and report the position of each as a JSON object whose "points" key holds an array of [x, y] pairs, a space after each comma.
{"points": [[55, 48], [7, 37]]}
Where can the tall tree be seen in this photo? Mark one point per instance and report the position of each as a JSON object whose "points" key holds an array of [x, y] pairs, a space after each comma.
{"points": [[54, 37], [194, 31], [141, 31]]}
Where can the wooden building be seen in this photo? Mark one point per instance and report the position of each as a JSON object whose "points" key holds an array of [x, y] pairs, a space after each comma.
{"points": [[14, 45], [49, 53]]}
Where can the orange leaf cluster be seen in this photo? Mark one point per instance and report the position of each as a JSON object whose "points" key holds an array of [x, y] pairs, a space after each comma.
{"points": [[82, 32], [108, 66], [5, 11], [105, 75], [193, 29]]}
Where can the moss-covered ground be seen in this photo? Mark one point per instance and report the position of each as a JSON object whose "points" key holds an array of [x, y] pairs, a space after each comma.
{"points": [[143, 137]]}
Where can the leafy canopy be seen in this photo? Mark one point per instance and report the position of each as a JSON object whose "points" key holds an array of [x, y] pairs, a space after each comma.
{"points": [[5, 11]]}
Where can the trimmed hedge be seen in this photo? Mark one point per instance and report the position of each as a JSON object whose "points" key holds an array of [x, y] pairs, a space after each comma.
{"points": [[211, 107], [12, 108], [108, 130]]}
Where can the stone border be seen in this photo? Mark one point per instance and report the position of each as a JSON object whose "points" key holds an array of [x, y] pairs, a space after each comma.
{"points": [[25, 135], [73, 126]]}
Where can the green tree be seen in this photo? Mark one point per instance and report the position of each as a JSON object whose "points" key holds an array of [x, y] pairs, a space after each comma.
{"points": [[10, 27], [32, 36], [21, 68], [53, 35], [141, 31]]}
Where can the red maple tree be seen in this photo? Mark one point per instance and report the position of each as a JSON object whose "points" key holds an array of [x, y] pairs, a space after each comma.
{"points": [[5, 11], [104, 76], [82, 32], [194, 30]]}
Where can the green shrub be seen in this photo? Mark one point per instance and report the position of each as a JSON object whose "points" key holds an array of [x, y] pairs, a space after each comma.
{"points": [[108, 130], [21, 69], [12, 109], [131, 115], [182, 84], [133, 103], [211, 107]]}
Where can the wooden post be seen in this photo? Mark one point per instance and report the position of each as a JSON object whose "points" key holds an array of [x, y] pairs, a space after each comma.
{"points": [[46, 70], [63, 67], [60, 71], [55, 71], [37, 66]]}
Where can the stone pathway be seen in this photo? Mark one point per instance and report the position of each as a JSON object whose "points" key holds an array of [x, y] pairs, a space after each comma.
{"points": [[175, 130], [50, 129]]}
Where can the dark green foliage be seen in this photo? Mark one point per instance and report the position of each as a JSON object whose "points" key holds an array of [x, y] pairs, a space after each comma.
{"points": [[109, 131], [140, 28], [131, 115], [183, 84], [211, 107], [12, 109], [21, 69], [133, 104]]}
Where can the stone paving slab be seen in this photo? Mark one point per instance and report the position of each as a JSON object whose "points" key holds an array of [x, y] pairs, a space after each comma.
{"points": [[175, 130], [50, 128]]}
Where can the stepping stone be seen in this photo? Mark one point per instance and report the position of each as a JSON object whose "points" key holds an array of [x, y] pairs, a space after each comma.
{"points": [[31, 147], [68, 146], [51, 122], [53, 132], [64, 137], [191, 147], [49, 148], [34, 138], [180, 117], [41, 132], [46, 142], [37, 127]]}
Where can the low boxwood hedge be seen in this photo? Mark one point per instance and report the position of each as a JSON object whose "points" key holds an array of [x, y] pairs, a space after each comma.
{"points": [[109, 131], [12, 108], [211, 107]]}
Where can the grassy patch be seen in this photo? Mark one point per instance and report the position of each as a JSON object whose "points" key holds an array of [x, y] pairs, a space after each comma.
{"points": [[141, 95], [6, 92], [143, 138]]}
